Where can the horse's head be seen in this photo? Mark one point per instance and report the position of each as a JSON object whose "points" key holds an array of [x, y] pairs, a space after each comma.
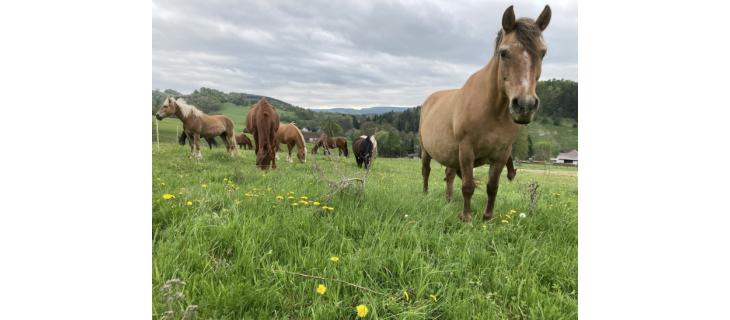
{"points": [[168, 108], [520, 49], [302, 154]]}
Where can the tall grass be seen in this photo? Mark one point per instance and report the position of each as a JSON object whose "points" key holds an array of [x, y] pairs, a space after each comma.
{"points": [[236, 246]]}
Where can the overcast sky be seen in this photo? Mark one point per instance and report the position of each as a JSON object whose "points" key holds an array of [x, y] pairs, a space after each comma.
{"points": [[341, 53]]}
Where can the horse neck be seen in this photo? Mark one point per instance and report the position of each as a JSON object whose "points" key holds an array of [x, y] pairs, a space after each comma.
{"points": [[484, 96], [185, 120]]}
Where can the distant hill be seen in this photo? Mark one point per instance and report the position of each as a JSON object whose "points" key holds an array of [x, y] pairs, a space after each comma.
{"points": [[369, 110]]}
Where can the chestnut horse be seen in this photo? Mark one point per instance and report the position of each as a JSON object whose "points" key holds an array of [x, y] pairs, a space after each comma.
{"points": [[197, 124], [331, 143], [365, 148], [289, 134], [243, 141], [263, 121], [477, 124]]}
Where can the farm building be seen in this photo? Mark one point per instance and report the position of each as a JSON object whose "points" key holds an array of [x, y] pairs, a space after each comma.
{"points": [[570, 157]]}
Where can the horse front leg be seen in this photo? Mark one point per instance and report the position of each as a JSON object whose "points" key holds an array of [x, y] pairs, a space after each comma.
{"points": [[191, 142], [495, 170], [198, 155], [288, 157], [466, 163], [511, 171]]}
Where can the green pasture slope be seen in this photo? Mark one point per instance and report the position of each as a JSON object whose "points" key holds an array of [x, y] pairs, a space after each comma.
{"points": [[236, 246]]}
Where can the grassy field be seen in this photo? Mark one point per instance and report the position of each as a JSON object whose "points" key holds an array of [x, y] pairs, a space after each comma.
{"points": [[233, 235]]}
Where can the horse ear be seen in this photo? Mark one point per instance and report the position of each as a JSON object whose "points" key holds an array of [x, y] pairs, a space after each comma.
{"points": [[508, 19], [544, 19]]}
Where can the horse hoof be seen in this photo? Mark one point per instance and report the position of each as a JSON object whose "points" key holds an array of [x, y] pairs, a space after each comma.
{"points": [[487, 217], [465, 218]]}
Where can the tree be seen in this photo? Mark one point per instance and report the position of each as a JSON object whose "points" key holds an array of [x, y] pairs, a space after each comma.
{"points": [[331, 128], [521, 145], [544, 150]]}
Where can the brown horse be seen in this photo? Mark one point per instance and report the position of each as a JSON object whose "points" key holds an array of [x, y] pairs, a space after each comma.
{"points": [[197, 124], [263, 121], [243, 141], [328, 143], [477, 124], [289, 134]]}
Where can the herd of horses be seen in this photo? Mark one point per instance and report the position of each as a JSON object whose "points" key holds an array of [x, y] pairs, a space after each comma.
{"points": [[460, 128], [269, 134]]}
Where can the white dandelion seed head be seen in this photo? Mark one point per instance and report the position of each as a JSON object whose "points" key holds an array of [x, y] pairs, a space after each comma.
{"points": [[523, 215]]}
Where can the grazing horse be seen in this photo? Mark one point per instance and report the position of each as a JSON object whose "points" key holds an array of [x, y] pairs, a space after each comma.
{"points": [[365, 148], [328, 143], [263, 121], [197, 124], [211, 141], [477, 124], [289, 134], [244, 142]]}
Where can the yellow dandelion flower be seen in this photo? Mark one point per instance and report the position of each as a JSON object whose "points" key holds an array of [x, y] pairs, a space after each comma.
{"points": [[505, 221], [204, 185], [162, 183], [512, 211], [190, 203], [303, 197], [321, 289], [406, 296], [316, 203], [362, 311], [334, 258], [290, 193], [168, 196], [294, 204], [290, 197], [433, 297], [330, 209], [279, 198]]}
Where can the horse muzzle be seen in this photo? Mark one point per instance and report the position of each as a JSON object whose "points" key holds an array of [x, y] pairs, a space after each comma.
{"points": [[157, 115], [523, 109]]}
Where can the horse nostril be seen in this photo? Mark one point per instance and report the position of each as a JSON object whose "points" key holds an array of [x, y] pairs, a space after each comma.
{"points": [[515, 103], [537, 104]]}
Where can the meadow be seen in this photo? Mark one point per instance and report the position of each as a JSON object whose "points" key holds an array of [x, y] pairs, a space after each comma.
{"points": [[283, 245]]}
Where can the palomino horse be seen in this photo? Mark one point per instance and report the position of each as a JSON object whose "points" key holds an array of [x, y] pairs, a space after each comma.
{"points": [[289, 134], [365, 148], [263, 121], [477, 124], [197, 124], [328, 143], [243, 141]]}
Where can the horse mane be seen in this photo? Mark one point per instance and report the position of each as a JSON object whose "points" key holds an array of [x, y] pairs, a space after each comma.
{"points": [[301, 136], [186, 109], [528, 34]]}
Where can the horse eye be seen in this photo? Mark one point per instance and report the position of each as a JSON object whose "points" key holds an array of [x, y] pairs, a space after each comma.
{"points": [[503, 54], [542, 54]]}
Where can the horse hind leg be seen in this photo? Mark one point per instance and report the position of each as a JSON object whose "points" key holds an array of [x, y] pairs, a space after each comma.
{"points": [[425, 169], [450, 175]]}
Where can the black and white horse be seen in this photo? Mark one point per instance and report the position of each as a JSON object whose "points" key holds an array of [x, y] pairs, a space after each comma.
{"points": [[365, 149]]}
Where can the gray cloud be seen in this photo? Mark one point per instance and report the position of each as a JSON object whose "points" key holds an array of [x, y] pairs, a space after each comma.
{"points": [[340, 53]]}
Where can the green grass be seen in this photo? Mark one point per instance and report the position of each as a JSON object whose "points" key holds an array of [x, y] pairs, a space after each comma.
{"points": [[231, 245]]}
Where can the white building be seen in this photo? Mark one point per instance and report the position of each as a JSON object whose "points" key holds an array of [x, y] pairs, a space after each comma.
{"points": [[570, 157]]}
